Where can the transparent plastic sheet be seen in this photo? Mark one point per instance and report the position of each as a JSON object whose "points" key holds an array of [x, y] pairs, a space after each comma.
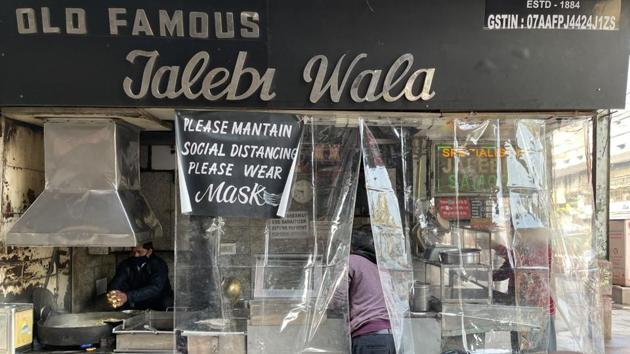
{"points": [[498, 173], [534, 267], [390, 241], [289, 281], [575, 269], [530, 214]]}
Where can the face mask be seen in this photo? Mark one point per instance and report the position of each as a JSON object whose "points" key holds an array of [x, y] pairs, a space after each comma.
{"points": [[140, 261]]}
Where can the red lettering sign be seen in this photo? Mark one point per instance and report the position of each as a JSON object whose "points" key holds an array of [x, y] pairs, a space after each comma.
{"points": [[454, 208]]}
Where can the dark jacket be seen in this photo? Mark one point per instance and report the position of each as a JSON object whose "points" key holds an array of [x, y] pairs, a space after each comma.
{"points": [[146, 285]]}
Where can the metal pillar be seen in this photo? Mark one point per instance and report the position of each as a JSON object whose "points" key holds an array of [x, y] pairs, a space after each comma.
{"points": [[601, 180]]}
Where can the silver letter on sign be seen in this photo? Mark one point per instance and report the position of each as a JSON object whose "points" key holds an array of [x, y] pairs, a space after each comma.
{"points": [[218, 25], [249, 21], [114, 22], [319, 89], [79, 26], [388, 84], [192, 73], [198, 24], [266, 92], [171, 83], [146, 75], [46, 26], [214, 79], [26, 23], [170, 26], [370, 94], [256, 81], [141, 24], [426, 93]]}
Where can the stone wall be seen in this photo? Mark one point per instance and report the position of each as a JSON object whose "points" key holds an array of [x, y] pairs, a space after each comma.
{"points": [[24, 269], [87, 268]]}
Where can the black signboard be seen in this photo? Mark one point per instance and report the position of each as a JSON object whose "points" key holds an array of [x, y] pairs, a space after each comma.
{"points": [[597, 15], [405, 55], [235, 163]]}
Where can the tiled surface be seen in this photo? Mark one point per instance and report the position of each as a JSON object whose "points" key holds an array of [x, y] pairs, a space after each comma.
{"points": [[620, 342], [158, 188]]}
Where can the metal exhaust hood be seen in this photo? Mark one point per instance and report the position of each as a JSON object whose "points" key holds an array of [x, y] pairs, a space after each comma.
{"points": [[92, 194]]}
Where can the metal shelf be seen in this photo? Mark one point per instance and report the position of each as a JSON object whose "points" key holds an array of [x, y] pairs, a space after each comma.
{"points": [[454, 272]]}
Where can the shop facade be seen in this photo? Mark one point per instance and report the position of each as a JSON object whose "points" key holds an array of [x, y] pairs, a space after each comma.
{"points": [[444, 126]]}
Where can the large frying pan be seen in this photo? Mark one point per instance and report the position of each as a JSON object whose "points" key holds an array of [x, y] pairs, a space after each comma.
{"points": [[75, 329]]}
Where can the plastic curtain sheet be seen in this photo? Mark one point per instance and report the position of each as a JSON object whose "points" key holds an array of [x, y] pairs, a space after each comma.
{"points": [[491, 217], [498, 213], [272, 286], [393, 258], [511, 233], [575, 271]]}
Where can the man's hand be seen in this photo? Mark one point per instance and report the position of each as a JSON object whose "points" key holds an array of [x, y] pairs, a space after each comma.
{"points": [[122, 298], [116, 298]]}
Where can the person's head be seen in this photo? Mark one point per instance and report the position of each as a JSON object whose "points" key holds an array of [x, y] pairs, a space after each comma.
{"points": [[362, 242], [362, 238], [144, 250]]}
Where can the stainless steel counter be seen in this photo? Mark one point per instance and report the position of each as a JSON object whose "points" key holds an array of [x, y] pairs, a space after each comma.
{"points": [[428, 314], [236, 327], [478, 318], [148, 332], [429, 330], [203, 339]]}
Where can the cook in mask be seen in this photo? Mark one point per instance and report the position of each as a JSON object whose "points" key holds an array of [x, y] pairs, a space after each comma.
{"points": [[141, 282]]}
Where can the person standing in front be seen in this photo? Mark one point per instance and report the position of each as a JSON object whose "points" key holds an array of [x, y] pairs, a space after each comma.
{"points": [[369, 320]]}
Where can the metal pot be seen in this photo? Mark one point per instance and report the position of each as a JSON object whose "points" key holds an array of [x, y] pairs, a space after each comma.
{"points": [[463, 256], [76, 329], [433, 253], [420, 297]]}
